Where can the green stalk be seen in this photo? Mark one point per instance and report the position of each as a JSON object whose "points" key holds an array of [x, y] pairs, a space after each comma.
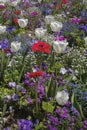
{"points": [[23, 65], [36, 96], [21, 73], [2, 64]]}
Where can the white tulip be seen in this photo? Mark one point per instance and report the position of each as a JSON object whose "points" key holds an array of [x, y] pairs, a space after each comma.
{"points": [[60, 46], [22, 22], [49, 19], [62, 97], [15, 46], [2, 29], [56, 26], [40, 32], [63, 71]]}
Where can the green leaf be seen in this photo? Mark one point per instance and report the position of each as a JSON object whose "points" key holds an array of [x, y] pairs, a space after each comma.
{"points": [[77, 105], [40, 126], [4, 109], [72, 98], [48, 106], [81, 112]]}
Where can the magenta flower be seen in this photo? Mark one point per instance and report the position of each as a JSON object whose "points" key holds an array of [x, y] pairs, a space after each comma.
{"points": [[2, 6], [60, 38], [34, 13], [75, 20]]}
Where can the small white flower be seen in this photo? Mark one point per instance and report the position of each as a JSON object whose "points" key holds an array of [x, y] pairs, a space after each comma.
{"points": [[85, 39], [15, 46], [60, 46], [22, 22], [2, 29], [49, 19], [56, 26], [40, 32], [74, 78], [63, 71], [62, 97], [8, 97]]}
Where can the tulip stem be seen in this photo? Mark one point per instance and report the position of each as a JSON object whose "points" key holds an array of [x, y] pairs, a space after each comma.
{"points": [[36, 96], [2, 64]]}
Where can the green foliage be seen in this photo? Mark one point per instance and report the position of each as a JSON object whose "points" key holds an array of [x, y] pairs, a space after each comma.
{"points": [[48, 106], [77, 106], [40, 126]]}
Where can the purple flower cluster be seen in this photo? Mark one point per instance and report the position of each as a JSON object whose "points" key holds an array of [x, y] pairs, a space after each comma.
{"points": [[7, 128], [84, 14], [74, 111], [25, 124], [12, 84], [50, 127], [2, 6], [53, 120], [83, 27], [85, 124], [4, 44], [69, 27], [34, 13], [62, 113], [10, 28], [41, 91], [85, 53], [15, 97]]}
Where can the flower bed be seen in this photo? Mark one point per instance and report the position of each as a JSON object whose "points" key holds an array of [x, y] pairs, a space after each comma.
{"points": [[43, 65]]}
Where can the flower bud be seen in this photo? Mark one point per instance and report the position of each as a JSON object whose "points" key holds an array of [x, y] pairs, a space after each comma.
{"points": [[62, 97]]}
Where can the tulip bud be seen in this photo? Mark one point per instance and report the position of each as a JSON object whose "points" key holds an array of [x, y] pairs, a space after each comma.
{"points": [[49, 19], [15, 46], [40, 32], [22, 22], [62, 97], [60, 46], [2, 29], [56, 26]]}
